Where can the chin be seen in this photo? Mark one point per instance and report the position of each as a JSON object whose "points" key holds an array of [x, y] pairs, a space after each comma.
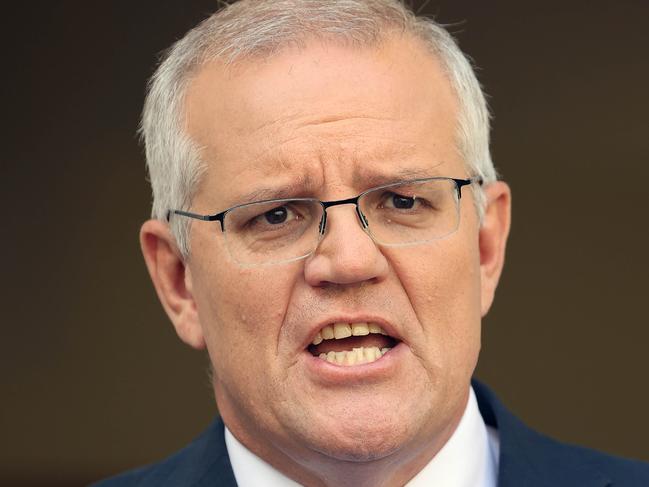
{"points": [[361, 440], [361, 451]]}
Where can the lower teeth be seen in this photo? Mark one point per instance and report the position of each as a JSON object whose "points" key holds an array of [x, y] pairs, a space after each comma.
{"points": [[356, 356]]}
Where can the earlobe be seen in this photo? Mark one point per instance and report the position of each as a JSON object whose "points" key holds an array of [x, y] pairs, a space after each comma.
{"points": [[171, 280], [493, 239]]}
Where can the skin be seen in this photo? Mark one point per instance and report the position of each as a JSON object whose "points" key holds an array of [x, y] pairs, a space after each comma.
{"points": [[330, 121]]}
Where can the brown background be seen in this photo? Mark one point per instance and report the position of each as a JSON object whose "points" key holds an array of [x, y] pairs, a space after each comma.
{"points": [[93, 379]]}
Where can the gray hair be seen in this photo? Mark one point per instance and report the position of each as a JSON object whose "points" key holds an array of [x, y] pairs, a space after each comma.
{"points": [[251, 28]]}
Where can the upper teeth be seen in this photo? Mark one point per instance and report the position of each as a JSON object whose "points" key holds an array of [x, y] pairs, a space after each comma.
{"points": [[344, 330]]}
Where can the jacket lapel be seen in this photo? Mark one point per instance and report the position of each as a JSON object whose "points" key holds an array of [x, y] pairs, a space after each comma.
{"points": [[208, 464], [530, 459]]}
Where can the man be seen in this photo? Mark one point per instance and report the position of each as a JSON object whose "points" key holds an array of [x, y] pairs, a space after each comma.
{"points": [[328, 224]]}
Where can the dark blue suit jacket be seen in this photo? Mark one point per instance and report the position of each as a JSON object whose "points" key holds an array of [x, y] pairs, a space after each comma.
{"points": [[527, 459]]}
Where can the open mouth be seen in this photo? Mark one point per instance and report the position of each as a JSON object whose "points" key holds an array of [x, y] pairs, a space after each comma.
{"points": [[351, 343]]}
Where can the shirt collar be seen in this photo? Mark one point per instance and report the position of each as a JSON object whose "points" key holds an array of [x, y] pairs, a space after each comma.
{"points": [[468, 459]]}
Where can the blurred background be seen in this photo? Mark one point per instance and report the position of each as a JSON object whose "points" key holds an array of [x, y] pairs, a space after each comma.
{"points": [[93, 379]]}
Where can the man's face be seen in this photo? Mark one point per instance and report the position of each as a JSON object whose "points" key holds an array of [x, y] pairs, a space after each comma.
{"points": [[330, 122]]}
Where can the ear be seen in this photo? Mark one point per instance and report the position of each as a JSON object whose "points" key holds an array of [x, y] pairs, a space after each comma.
{"points": [[493, 239], [172, 281]]}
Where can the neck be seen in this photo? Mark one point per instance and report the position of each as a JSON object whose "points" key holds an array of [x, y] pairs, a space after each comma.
{"points": [[316, 469]]}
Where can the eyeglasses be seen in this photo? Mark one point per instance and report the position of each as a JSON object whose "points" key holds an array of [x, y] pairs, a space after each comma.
{"points": [[284, 230]]}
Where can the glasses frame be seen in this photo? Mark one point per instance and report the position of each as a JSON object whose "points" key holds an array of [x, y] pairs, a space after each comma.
{"points": [[220, 217]]}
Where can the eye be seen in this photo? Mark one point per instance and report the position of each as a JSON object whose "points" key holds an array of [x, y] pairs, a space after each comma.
{"points": [[396, 201], [277, 215], [273, 216], [402, 202]]}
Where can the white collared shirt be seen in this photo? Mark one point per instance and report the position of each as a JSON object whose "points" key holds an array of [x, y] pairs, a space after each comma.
{"points": [[468, 459]]}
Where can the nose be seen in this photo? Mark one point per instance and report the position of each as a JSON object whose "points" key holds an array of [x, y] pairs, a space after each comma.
{"points": [[346, 254]]}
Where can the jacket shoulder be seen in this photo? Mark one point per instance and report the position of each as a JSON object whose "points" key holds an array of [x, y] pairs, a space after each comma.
{"points": [[204, 461], [618, 471], [533, 459]]}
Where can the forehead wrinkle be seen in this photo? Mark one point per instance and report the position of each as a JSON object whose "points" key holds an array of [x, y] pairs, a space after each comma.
{"points": [[308, 120], [309, 135], [301, 165], [342, 118], [283, 156], [328, 133]]}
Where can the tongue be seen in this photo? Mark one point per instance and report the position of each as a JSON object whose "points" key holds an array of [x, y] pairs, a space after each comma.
{"points": [[373, 340]]}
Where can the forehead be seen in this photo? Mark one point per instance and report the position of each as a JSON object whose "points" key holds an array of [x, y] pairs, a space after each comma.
{"points": [[320, 116]]}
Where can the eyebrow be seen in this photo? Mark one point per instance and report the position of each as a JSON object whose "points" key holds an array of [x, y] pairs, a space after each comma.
{"points": [[366, 179], [295, 189], [303, 187]]}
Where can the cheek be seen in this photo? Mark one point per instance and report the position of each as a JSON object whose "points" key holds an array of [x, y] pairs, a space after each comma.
{"points": [[241, 313], [443, 287]]}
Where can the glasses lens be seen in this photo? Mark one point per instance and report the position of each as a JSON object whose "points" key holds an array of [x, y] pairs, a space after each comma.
{"points": [[412, 212], [273, 232]]}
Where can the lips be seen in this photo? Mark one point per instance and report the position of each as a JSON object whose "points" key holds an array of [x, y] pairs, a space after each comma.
{"points": [[348, 344]]}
